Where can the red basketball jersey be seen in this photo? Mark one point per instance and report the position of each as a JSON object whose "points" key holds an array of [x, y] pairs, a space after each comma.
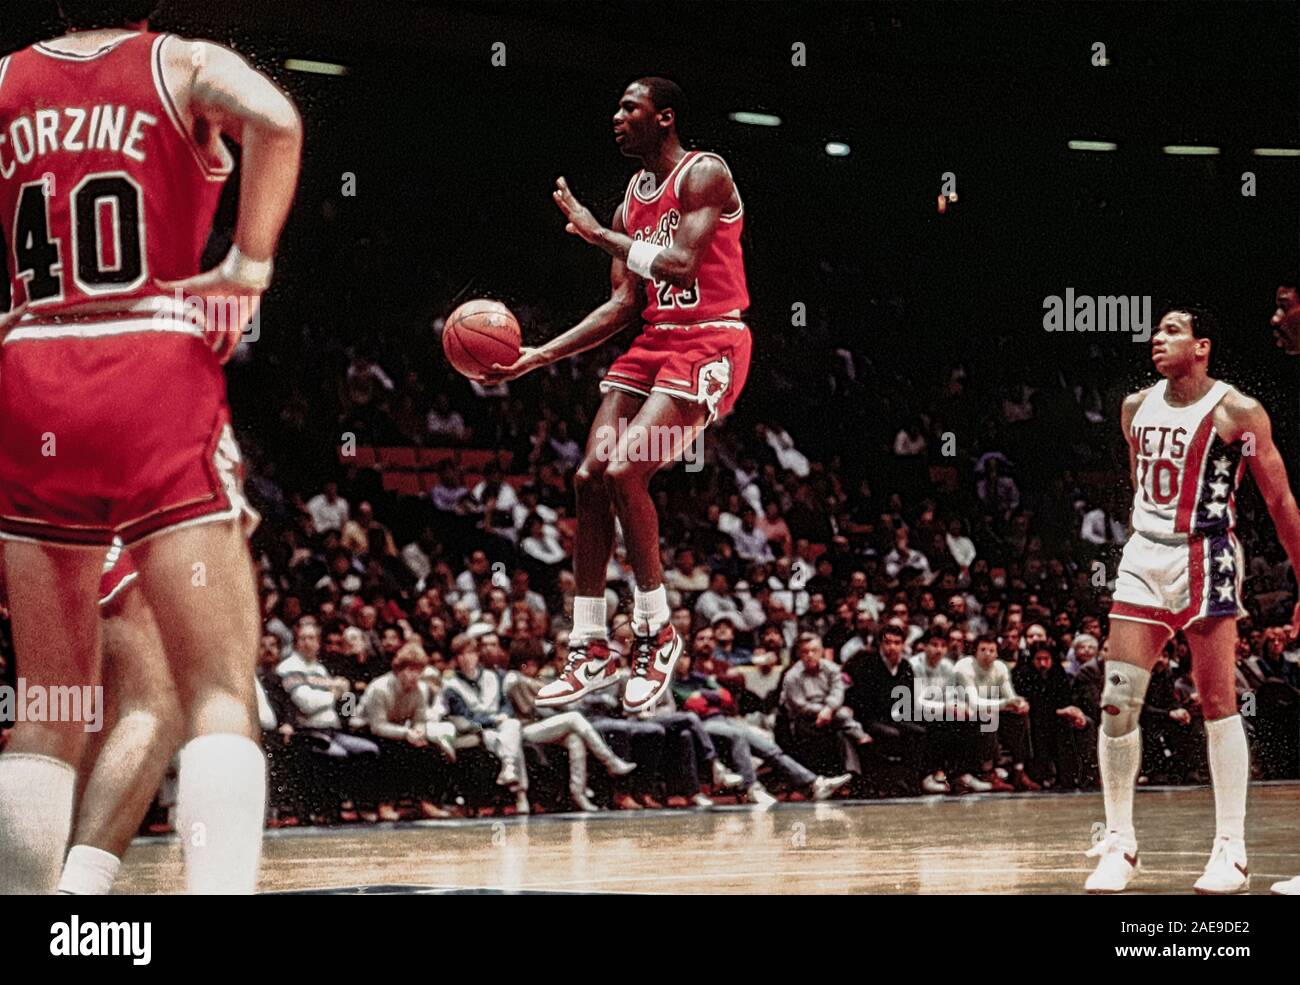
{"points": [[102, 189], [653, 213]]}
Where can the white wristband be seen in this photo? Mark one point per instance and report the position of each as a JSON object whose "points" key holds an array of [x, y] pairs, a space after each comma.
{"points": [[239, 269], [640, 256]]}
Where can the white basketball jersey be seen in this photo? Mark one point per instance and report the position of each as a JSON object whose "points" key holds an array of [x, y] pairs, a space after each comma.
{"points": [[1187, 475]]}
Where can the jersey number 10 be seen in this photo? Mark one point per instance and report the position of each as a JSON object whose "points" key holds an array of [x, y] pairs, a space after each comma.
{"points": [[1159, 481]]}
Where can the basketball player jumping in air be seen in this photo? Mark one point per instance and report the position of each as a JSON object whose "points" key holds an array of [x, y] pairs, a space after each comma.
{"points": [[677, 235], [1190, 438], [111, 166]]}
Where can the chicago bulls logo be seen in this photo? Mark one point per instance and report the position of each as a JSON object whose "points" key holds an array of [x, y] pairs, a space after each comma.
{"points": [[715, 378]]}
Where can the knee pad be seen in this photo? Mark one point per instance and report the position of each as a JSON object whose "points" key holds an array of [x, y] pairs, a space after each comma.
{"points": [[1122, 697]]}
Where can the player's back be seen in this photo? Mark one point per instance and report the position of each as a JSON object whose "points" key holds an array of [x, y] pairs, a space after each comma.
{"points": [[103, 189]]}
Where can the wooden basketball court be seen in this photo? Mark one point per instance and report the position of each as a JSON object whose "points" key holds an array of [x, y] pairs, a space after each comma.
{"points": [[1031, 843]]}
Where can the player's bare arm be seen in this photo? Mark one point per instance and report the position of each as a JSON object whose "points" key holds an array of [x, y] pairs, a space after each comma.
{"points": [[1242, 418], [604, 322], [1127, 412], [706, 191], [217, 92]]}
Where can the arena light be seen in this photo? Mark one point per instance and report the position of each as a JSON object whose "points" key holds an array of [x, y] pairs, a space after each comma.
{"points": [[313, 67], [1276, 151], [755, 119], [837, 149], [1190, 150], [1092, 145]]}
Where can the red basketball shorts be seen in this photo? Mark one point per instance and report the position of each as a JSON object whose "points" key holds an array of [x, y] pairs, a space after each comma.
{"points": [[115, 426], [706, 362]]}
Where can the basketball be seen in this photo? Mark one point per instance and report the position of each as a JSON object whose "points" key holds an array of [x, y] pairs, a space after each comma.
{"points": [[478, 334]]}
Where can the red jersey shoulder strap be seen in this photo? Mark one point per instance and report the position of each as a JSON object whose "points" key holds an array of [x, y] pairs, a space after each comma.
{"points": [[690, 159], [46, 49], [218, 170], [627, 196]]}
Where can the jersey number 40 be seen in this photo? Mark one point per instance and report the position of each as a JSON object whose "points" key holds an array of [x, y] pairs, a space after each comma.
{"points": [[108, 250]]}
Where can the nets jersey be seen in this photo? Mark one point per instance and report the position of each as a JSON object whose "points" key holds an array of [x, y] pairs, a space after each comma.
{"points": [[652, 212], [1187, 476], [102, 188]]}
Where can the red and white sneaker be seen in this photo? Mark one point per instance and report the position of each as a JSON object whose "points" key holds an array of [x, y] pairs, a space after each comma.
{"points": [[589, 668], [653, 658]]}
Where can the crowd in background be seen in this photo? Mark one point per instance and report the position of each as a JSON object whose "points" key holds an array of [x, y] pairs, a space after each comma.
{"points": [[872, 518], [985, 531]]}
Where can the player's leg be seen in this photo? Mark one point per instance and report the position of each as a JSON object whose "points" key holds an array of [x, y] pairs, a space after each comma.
{"points": [[658, 435], [589, 667], [199, 582], [1134, 647], [127, 759], [56, 642], [1214, 665]]}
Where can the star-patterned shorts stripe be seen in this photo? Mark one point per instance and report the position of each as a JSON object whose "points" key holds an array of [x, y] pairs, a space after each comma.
{"points": [[1175, 583]]}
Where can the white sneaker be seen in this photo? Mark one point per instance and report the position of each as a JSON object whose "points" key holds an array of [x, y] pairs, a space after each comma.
{"points": [[932, 784], [521, 803], [824, 786], [508, 776], [589, 668], [1226, 872], [1291, 887], [699, 800], [654, 658], [619, 767], [1119, 864], [973, 783], [760, 797], [582, 800], [723, 777]]}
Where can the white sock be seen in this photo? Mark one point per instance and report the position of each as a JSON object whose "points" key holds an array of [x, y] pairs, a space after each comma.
{"points": [[588, 619], [220, 809], [1225, 739], [89, 871], [651, 607], [35, 822], [1119, 758]]}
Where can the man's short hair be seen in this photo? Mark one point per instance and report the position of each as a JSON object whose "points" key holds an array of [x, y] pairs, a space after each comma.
{"points": [[935, 633], [667, 94], [1204, 323], [409, 656], [889, 629], [986, 638], [462, 642], [807, 637]]}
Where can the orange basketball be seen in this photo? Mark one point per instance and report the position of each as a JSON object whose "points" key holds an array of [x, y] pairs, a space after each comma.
{"points": [[479, 333]]}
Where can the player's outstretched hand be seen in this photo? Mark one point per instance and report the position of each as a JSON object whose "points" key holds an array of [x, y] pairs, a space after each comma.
{"points": [[10, 319], [581, 221], [529, 360], [228, 307]]}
